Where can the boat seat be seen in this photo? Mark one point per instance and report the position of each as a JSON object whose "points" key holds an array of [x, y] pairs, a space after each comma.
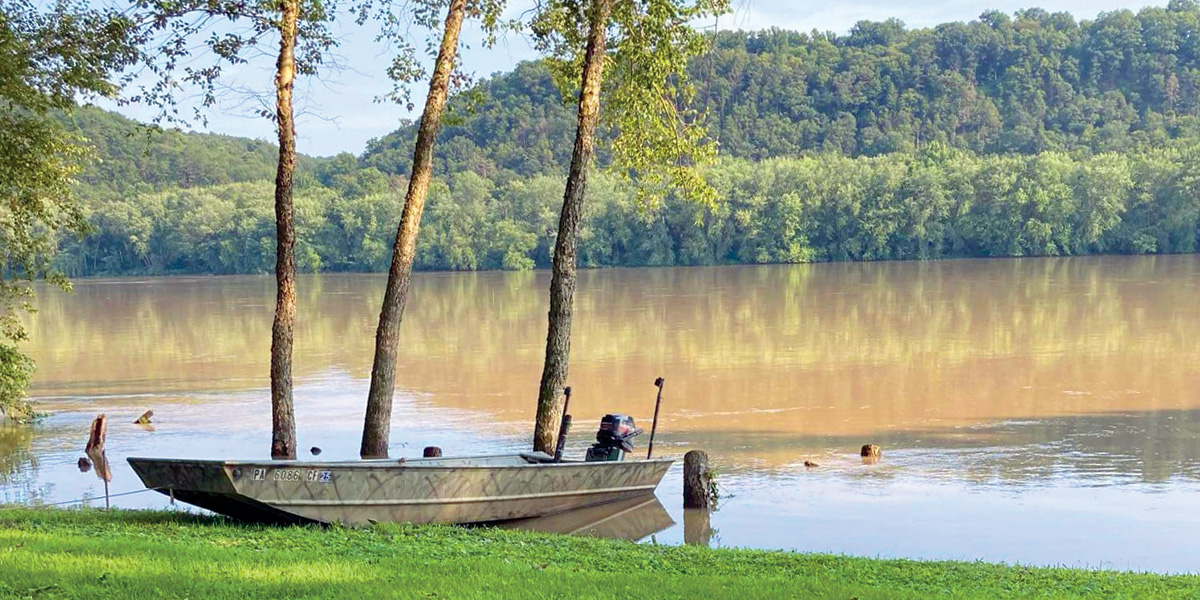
{"points": [[537, 457]]}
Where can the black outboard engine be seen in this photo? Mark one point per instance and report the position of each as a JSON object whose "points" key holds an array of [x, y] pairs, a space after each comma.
{"points": [[613, 439]]}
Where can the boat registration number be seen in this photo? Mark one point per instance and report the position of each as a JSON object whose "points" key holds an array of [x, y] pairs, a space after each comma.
{"points": [[311, 475]]}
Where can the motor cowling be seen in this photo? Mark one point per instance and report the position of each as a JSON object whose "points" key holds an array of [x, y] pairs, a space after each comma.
{"points": [[614, 438]]}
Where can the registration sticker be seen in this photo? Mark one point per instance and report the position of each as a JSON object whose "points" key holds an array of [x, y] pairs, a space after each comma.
{"points": [[318, 476]]}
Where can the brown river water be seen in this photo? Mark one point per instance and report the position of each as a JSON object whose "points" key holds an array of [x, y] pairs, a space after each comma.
{"points": [[1034, 411]]}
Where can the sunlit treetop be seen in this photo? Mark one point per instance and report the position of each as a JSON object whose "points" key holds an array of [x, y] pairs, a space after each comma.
{"points": [[657, 141]]}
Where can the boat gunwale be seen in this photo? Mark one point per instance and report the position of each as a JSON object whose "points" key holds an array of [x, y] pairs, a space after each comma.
{"points": [[386, 463]]}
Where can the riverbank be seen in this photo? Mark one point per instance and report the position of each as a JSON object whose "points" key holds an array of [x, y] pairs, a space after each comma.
{"points": [[79, 554]]}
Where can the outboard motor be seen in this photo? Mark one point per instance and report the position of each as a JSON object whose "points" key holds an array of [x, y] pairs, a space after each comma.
{"points": [[613, 439]]}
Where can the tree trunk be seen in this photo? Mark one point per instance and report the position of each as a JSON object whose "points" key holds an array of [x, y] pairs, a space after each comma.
{"points": [[283, 418], [562, 281], [378, 423]]}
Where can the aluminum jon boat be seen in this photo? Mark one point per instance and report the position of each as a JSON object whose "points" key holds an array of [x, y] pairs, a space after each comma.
{"points": [[473, 489]]}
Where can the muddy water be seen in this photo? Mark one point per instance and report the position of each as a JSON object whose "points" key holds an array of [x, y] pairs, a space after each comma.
{"points": [[1038, 411]]}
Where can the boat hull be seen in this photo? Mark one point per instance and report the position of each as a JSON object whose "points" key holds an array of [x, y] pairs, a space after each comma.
{"points": [[441, 490]]}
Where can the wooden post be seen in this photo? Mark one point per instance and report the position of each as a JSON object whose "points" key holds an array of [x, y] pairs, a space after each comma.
{"points": [[696, 480], [431, 452]]}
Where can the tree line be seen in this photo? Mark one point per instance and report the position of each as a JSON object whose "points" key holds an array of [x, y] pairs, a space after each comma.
{"points": [[939, 202]]}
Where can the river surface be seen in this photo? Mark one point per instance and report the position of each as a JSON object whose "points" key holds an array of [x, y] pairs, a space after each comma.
{"points": [[1034, 411]]}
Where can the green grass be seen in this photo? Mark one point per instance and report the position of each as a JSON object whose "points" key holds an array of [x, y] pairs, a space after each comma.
{"points": [[129, 555]]}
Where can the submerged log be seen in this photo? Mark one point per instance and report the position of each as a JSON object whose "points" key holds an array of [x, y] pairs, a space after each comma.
{"points": [[96, 437], [697, 480], [431, 452]]}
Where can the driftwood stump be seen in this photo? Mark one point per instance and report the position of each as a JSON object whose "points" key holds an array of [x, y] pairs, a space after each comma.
{"points": [[871, 453], [96, 437], [95, 452], [432, 452], [696, 480]]}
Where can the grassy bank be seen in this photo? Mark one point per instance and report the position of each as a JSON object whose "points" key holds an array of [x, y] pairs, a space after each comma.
{"points": [[49, 554]]}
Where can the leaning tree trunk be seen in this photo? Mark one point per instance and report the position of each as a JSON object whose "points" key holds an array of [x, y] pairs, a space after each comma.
{"points": [[562, 281], [378, 422], [283, 418]]}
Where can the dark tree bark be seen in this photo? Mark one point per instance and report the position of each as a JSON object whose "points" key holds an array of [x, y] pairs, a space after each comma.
{"points": [[283, 418], [562, 281], [378, 423], [697, 480]]}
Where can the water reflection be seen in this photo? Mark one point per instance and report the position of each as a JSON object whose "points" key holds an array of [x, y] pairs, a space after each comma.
{"points": [[697, 527], [18, 466], [1146, 446], [1010, 387], [810, 349], [630, 519]]}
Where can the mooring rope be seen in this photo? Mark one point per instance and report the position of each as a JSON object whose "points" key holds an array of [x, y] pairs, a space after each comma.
{"points": [[90, 499]]}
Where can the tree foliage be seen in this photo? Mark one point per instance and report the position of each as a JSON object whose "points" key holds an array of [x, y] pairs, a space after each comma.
{"points": [[804, 121], [1028, 83], [657, 138], [48, 58], [185, 46]]}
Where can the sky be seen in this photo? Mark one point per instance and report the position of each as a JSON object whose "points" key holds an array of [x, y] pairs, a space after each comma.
{"points": [[338, 111]]}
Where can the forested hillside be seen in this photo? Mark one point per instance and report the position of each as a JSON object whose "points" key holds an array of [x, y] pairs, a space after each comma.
{"points": [[1031, 134], [1028, 83], [129, 154]]}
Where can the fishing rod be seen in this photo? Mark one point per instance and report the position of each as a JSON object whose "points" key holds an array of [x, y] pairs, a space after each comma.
{"points": [[654, 425], [563, 427]]}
